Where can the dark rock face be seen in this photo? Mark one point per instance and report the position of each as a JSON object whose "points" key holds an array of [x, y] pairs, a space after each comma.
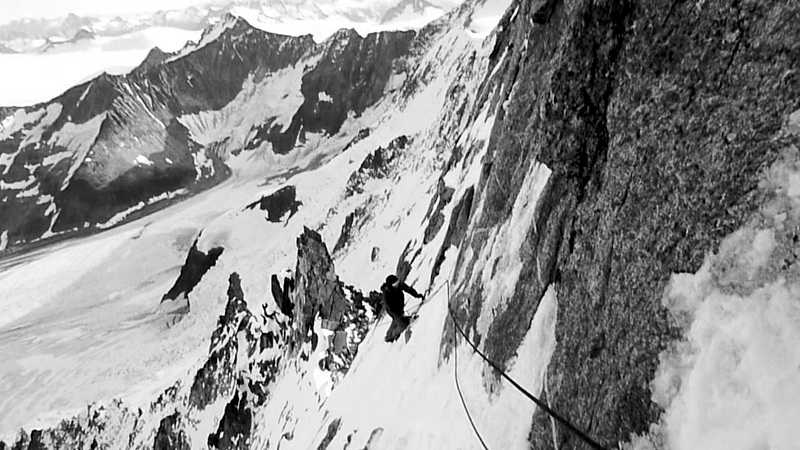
{"points": [[333, 428], [656, 121], [247, 381], [234, 427], [317, 288], [170, 436], [362, 134], [196, 265], [346, 234], [279, 203], [352, 223], [376, 165], [456, 230], [217, 378], [353, 72], [281, 295], [436, 219]]}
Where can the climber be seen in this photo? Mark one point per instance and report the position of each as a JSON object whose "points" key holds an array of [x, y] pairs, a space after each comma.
{"points": [[394, 303]]}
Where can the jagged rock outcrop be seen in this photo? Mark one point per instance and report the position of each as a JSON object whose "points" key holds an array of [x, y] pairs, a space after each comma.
{"points": [[333, 428], [651, 124], [170, 436], [376, 165], [456, 229], [155, 57], [234, 427], [217, 377], [318, 291], [435, 217], [196, 265], [281, 294], [99, 427], [352, 75], [279, 203]]}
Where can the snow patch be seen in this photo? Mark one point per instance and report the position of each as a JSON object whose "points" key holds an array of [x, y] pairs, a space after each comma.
{"points": [[201, 161], [142, 161], [79, 140], [18, 185], [51, 113], [486, 16], [208, 36], [45, 199], [324, 97], [274, 99], [55, 158], [122, 215], [500, 259], [3, 240], [32, 192]]}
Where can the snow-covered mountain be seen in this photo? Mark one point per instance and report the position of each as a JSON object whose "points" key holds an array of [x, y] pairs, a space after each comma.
{"points": [[48, 56], [121, 144], [610, 221]]}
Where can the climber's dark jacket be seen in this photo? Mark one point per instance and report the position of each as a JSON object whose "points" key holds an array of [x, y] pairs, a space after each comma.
{"points": [[393, 299]]}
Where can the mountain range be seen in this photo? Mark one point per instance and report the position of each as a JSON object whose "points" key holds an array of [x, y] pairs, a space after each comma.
{"points": [[25, 35]]}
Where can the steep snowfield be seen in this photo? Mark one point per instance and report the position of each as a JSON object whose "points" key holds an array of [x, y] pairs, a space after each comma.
{"points": [[30, 78]]}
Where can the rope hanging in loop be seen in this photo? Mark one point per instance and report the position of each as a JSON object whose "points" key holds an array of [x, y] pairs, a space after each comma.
{"points": [[580, 434], [458, 386]]}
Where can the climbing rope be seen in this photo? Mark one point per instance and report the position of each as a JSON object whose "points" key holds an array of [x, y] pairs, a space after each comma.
{"points": [[583, 436], [428, 295], [458, 386]]}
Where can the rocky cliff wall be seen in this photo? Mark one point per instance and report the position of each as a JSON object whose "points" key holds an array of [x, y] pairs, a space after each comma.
{"points": [[655, 122]]}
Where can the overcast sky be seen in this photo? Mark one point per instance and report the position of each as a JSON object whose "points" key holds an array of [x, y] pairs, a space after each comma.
{"points": [[17, 9]]}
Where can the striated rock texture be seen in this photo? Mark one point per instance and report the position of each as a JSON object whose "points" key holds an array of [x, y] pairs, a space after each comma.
{"points": [[656, 120], [318, 290]]}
